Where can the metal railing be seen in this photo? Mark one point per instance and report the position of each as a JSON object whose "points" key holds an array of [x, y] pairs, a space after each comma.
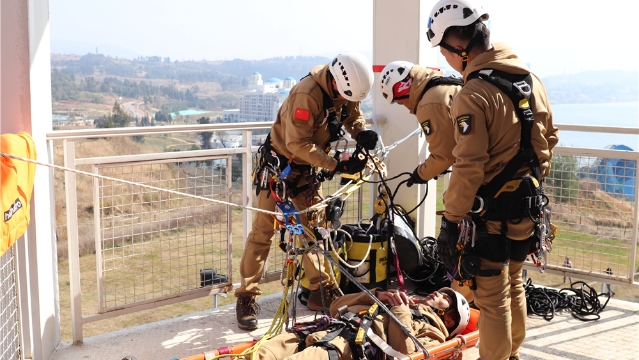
{"points": [[155, 247], [594, 203], [9, 313], [150, 247]]}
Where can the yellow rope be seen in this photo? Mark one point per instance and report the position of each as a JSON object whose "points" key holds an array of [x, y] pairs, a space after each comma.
{"points": [[281, 315]]}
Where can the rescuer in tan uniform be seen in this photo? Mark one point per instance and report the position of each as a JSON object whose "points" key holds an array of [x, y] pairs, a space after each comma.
{"points": [[421, 317], [428, 95], [311, 116], [417, 88], [489, 134]]}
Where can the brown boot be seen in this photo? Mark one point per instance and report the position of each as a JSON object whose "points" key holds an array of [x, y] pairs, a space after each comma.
{"points": [[315, 299], [246, 310]]}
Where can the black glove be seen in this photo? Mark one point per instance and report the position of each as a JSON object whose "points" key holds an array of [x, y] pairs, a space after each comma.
{"points": [[351, 166], [367, 139], [447, 243], [415, 179], [324, 175]]}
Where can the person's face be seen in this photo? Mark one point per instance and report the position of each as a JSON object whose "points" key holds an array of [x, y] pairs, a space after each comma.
{"points": [[404, 102], [438, 300], [339, 96], [452, 59]]}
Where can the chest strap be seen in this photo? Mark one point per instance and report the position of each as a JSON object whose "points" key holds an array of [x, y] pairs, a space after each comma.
{"points": [[443, 80]]}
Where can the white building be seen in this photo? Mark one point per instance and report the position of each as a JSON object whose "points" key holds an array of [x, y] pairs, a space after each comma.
{"points": [[231, 116], [263, 99]]}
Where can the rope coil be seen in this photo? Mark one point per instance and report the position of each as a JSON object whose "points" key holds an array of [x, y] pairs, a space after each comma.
{"points": [[580, 298]]}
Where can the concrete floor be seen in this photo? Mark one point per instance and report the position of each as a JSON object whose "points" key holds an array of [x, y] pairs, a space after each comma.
{"points": [[614, 336]]}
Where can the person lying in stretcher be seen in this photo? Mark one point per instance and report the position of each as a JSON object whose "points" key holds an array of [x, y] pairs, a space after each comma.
{"points": [[433, 320]]}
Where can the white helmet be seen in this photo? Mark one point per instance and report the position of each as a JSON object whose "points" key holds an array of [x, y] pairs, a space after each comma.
{"points": [[353, 74], [447, 13], [462, 308], [393, 73]]}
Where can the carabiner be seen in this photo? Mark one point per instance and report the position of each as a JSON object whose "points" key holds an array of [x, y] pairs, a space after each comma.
{"points": [[345, 145], [481, 205], [277, 158]]}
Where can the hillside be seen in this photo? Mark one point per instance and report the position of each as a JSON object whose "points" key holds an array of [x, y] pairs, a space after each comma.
{"points": [[228, 73], [603, 86], [216, 85]]}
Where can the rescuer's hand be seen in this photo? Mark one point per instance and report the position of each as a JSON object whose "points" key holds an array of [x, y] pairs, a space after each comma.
{"points": [[415, 179], [324, 175], [351, 166]]}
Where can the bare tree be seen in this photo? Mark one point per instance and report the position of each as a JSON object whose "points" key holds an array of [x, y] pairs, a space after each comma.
{"points": [[223, 137]]}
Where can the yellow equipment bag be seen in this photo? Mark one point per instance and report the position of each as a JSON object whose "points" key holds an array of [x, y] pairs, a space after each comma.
{"points": [[373, 271]]}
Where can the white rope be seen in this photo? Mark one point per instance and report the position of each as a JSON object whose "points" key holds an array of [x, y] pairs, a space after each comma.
{"points": [[347, 189], [396, 143], [135, 183], [370, 244]]}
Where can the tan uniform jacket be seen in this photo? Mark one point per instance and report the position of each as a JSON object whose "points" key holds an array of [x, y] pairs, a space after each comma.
{"points": [[301, 130], [432, 109], [389, 330], [494, 135]]}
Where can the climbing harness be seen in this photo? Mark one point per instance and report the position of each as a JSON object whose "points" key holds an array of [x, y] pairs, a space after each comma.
{"points": [[504, 198], [381, 305]]}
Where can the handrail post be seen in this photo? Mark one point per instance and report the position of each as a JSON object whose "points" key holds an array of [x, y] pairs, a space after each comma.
{"points": [[247, 183], [635, 234], [72, 242]]}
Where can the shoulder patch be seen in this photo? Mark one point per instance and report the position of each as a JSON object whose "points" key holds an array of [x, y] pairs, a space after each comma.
{"points": [[302, 114], [464, 124], [427, 127]]}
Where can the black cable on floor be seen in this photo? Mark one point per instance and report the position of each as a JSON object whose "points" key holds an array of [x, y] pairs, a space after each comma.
{"points": [[581, 299]]}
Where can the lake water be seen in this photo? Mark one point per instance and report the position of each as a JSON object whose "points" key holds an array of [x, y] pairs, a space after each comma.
{"points": [[624, 114]]}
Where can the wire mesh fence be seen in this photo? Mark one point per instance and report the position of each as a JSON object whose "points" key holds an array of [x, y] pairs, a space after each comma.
{"points": [[155, 243], [9, 319], [593, 205]]}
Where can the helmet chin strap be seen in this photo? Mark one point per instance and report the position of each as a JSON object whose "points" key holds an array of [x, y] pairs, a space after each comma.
{"points": [[463, 54]]}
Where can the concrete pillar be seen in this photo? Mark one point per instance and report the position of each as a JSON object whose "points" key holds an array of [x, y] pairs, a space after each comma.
{"points": [[399, 33], [25, 105]]}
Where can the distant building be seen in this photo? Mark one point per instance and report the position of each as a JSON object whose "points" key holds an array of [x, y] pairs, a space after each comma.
{"points": [[231, 116], [263, 99]]}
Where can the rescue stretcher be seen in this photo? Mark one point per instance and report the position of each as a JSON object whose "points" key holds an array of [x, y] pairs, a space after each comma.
{"points": [[447, 350]]}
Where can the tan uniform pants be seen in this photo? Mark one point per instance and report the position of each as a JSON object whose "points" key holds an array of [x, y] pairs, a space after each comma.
{"points": [[502, 301], [259, 242], [284, 346]]}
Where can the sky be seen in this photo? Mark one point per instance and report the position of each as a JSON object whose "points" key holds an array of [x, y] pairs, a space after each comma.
{"points": [[553, 36]]}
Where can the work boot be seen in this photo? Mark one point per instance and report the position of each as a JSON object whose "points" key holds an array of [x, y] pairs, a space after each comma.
{"points": [[314, 302], [246, 310]]}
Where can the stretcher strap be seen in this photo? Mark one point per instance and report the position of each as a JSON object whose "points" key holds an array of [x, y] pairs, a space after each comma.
{"points": [[383, 346]]}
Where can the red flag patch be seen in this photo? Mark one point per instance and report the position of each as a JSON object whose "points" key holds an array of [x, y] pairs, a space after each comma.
{"points": [[302, 114]]}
